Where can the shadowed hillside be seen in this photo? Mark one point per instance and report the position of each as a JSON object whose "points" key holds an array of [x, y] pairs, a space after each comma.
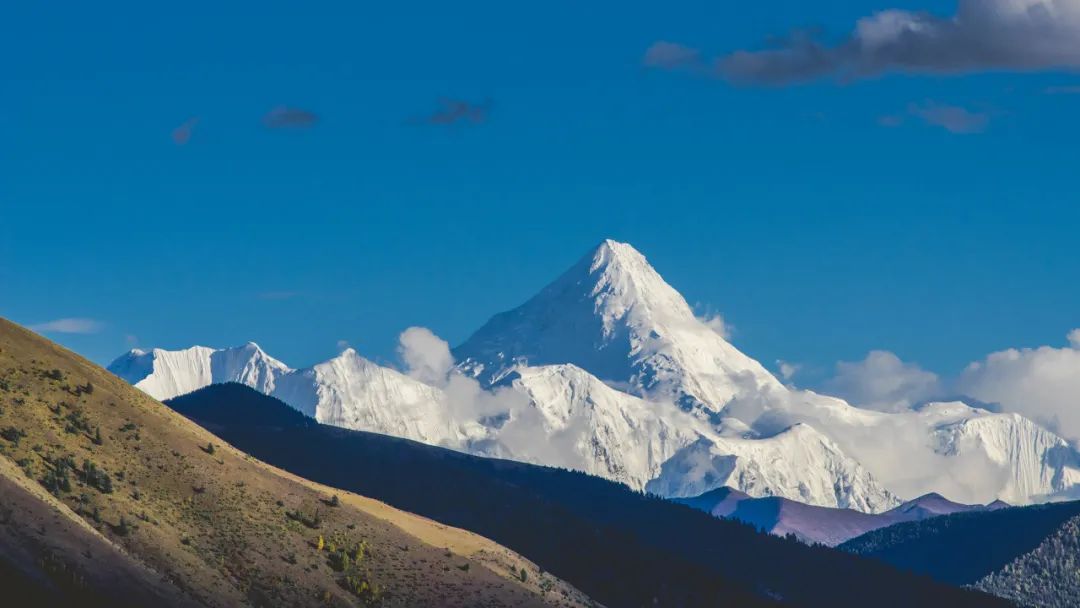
{"points": [[964, 547], [620, 547], [1048, 577], [109, 498]]}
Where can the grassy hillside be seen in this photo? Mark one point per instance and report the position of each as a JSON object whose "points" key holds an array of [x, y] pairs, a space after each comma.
{"points": [[964, 547], [620, 547], [109, 498]]}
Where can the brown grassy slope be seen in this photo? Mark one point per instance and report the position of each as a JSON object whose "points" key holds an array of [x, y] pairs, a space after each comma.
{"points": [[186, 523], [43, 539]]}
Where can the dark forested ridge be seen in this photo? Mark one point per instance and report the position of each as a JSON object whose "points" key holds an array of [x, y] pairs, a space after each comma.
{"points": [[1048, 577], [964, 547], [620, 547]]}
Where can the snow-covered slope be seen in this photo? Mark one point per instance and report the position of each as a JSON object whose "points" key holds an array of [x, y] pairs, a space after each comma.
{"points": [[797, 463], [166, 374], [351, 392], [614, 316], [1035, 464], [968, 454], [589, 426]]}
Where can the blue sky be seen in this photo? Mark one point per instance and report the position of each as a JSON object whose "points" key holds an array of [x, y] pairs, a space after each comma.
{"points": [[822, 218]]}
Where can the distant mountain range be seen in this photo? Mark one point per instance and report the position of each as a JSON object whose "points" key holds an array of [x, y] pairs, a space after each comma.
{"points": [[824, 525], [608, 371], [620, 547]]}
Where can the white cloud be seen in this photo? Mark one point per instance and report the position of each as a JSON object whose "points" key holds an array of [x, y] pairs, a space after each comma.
{"points": [[883, 382], [717, 323], [1040, 383], [69, 326], [427, 356], [787, 370]]}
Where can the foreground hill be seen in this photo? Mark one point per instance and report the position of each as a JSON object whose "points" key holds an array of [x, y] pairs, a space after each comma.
{"points": [[109, 498], [964, 548], [616, 545], [814, 524]]}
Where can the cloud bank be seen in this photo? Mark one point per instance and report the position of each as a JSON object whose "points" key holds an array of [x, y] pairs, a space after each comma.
{"points": [[883, 382], [1040, 383], [983, 35]]}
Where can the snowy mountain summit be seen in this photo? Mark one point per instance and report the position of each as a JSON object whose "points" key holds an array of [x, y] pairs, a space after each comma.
{"points": [[613, 315], [607, 370], [166, 374]]}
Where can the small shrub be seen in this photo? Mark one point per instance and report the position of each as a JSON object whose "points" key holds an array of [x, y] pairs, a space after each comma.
{"points": [[96, 478], [339, 561], [311, 521], [13, 434], [367, 593]]}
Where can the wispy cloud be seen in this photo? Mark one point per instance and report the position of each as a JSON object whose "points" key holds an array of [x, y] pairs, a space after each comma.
{"points": [[283, 117], [671, 56], [953, 119], [457, 111], [891, 120], [69, 326], [1063, 90], [983, 35], [278, 295], [182, 134], [787, 369]]}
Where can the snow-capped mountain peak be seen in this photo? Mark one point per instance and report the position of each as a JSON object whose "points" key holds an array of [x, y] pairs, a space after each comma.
{"points": [[165, 374], [613, 315]]}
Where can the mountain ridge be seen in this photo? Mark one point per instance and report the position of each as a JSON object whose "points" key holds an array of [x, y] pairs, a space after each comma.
{"points": [[815, 524]]}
